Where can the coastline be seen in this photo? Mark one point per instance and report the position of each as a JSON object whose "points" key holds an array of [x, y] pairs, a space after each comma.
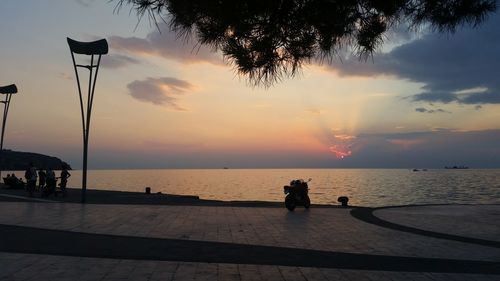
{"points": [[99, 196]]}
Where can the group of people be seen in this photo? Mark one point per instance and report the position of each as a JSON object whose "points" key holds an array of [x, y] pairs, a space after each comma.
{"points": [[47, 181], [13, 182]]}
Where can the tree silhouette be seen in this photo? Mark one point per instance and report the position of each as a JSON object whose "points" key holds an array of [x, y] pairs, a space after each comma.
{"points": [[267, 40]]}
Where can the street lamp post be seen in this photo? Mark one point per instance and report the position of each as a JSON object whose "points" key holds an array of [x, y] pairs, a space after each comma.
{"points": [[92, 49], [7, 91]]}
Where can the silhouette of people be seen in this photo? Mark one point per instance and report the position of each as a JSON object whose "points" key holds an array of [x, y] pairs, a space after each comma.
{"points": [[15, 182], [30, 175], [50, 179], [41, 179], [64, 180], [13, 179], [7, 180]]}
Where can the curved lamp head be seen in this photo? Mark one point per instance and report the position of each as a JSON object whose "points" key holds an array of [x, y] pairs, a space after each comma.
{"points": [[9, 89], [99, 47]]}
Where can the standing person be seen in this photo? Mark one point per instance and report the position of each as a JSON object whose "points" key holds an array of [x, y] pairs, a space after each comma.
{"points": [[51, 182], [41, 179], [30, 176], [64, 180]]}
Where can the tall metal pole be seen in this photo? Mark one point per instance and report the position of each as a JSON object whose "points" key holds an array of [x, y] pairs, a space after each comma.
{"points": [[8, 91], [99, 48]]}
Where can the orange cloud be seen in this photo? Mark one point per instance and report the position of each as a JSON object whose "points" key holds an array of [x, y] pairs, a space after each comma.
{"points": [[340, 151], [345, 137]]}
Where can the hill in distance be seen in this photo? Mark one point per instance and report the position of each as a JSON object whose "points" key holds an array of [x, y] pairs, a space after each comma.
{"points": [[18, 161]]}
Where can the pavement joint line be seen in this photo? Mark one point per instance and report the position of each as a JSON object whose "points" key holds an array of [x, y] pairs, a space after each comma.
{"points": [[28, 198]]}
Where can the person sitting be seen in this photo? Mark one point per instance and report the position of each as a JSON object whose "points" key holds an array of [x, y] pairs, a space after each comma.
{"points": [[6, 180], [16, 182]]}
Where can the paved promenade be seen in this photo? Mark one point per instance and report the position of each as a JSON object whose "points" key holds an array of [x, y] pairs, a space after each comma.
{"points": [[69, 241]]}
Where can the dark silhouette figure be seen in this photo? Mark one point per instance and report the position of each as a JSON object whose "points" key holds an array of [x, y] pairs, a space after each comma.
{"points": [[6, 180], [267, 40], [64, 180], [41, 179], [51, 183], [11, 181], [297, 194], [30, 175], [14, 179]]}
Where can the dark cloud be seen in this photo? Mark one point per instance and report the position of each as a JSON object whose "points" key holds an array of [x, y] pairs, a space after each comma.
{"points": [[118, 61], [166, 44], [160, 91], [431, 149], [441, 97], [425, 110], [481, 98], [447, 64]]}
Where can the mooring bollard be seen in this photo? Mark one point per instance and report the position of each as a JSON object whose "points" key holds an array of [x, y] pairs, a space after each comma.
{"points": [[148, 190], [343, 200]]}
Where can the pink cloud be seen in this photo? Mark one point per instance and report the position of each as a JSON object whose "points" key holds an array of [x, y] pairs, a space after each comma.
{"points": [[160, 91]]}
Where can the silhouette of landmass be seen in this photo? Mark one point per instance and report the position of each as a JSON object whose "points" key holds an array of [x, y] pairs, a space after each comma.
{"points": [[17, 160]]}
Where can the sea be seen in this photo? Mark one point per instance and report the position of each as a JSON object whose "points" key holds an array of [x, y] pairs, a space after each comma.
{"points": [[364, 187]]}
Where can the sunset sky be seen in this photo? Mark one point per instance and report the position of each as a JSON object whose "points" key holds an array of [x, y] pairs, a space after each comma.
{"points": [[426, 100]]}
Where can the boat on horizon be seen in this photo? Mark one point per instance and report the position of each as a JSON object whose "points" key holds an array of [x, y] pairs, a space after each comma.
{"points": [[456, 167]]}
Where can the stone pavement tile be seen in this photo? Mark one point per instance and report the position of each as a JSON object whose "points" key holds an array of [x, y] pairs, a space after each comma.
{"points": [[270, 272], [461, 277], [185, 271], [228, 272], [143, 270], [31, 267], [360, 275], [164, 270], [206, 271], [12, 263], [414, 276], [332, 274], [291, 273], [120, 270], [250, 272], [311, 273]]}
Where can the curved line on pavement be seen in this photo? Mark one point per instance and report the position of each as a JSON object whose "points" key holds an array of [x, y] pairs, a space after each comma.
{"points": [[366, 214]]}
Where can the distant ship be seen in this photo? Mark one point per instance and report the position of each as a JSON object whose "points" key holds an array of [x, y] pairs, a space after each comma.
{"points": [[456, 167]]}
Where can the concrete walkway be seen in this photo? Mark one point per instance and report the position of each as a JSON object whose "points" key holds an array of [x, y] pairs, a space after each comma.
{"points": [[67, 241]]}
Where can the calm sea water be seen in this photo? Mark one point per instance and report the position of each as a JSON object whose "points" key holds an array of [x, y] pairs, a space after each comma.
{"points": [[364, 187]]}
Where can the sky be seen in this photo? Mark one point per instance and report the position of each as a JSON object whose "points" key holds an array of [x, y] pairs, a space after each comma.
{"points": [[424, 100]]}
